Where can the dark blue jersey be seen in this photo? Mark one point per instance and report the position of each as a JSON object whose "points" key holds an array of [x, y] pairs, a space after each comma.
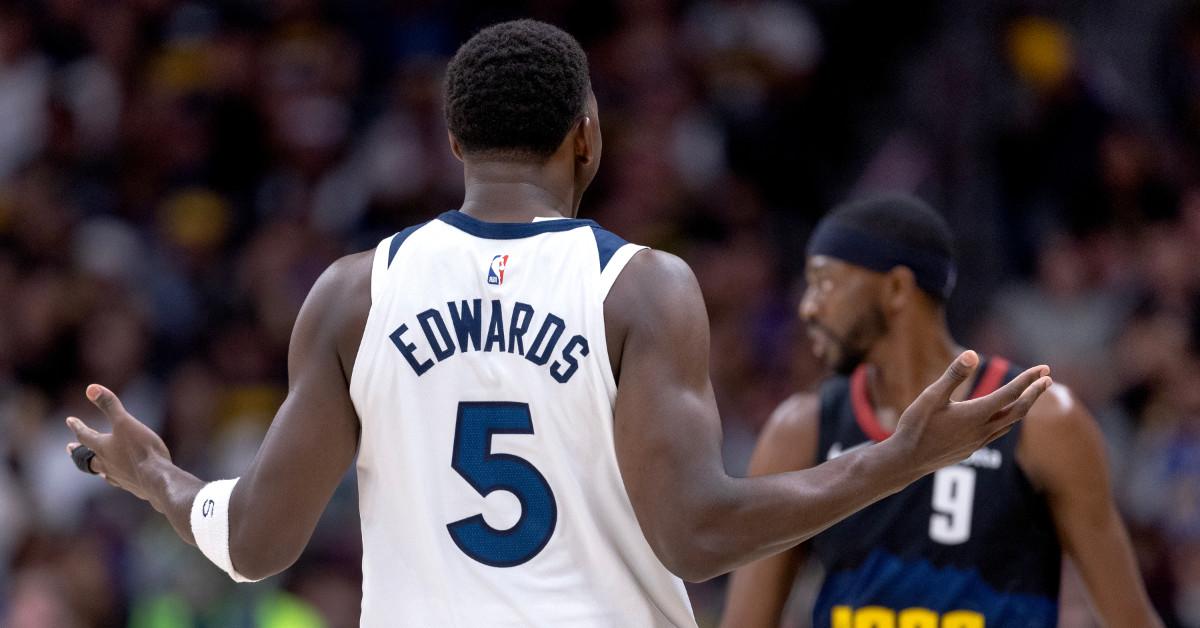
{"points": [[970, 546]]}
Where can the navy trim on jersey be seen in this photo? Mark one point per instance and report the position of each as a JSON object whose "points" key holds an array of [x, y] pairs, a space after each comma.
{"points": [[607, 244], [511, 230], [399, 239]]}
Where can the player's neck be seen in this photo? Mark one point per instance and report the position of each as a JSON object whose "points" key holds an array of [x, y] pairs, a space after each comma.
{"points": [[904, 364], [516, 192]]}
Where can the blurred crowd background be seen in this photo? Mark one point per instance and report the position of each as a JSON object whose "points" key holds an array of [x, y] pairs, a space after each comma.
{"points": [[174, 175]]}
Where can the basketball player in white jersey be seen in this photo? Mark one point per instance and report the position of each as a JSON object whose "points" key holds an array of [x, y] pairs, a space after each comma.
{"points": [[528, 397]]}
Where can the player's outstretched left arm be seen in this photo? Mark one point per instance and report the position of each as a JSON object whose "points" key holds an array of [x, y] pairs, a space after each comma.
{"points": [[276, 504], [1062, 451]]}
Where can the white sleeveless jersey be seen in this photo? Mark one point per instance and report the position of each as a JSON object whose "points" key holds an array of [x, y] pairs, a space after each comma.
{"points": [[488, 479]]}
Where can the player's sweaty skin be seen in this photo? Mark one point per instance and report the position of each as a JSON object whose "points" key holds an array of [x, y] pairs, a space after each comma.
{"points": [[699, 521]]}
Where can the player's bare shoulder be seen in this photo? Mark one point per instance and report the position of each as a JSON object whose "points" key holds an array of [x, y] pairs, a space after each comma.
{"points": [[1057, 424], [655, 292], [341, 301], [1058, 413], [654, 278], [788, 441], [796, 418]]}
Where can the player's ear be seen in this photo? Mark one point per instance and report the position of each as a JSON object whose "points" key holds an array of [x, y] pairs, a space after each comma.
{"points": [[898, 286], [454, 146], [585, 148]]}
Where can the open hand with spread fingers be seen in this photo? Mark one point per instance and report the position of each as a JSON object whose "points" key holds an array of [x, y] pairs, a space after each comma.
{"points": [[939, 432], [125, 458]]}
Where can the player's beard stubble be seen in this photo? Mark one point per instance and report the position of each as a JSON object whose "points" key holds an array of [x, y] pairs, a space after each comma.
{"points": [[845, 352]]}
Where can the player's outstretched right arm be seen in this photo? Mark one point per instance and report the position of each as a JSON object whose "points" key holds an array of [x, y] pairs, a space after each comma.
{"points": [[272, 510], [700, 521]]}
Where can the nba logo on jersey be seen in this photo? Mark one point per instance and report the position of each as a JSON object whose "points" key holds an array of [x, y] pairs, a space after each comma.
{"points": [[496, 270]]}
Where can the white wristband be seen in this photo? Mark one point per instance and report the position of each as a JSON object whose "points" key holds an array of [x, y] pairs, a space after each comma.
{"points": [[210, 525]]}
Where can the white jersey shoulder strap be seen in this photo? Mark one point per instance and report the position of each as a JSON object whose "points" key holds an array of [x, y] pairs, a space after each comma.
{"points": [[615, 254], [378, 266], [610, 272], [385, 254]]}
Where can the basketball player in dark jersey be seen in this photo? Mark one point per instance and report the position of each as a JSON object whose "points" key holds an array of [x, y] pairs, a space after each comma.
{"points": [[975, 544]]}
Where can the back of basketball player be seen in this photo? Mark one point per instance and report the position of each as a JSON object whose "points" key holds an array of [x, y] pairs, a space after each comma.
{"points": [[528, 397]]}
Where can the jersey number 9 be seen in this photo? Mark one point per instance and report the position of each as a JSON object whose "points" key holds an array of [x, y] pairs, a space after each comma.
{"points": [[953, 502]]}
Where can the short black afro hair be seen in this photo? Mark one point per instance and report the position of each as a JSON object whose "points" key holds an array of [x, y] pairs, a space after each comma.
{"points": [[516, 88]]}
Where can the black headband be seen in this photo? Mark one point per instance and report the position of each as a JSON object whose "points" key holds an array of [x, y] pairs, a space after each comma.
{"points": [[934, 273]]}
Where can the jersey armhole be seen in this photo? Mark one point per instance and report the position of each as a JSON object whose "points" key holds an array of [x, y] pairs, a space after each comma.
{"points": [[379, 266], [620, 258], [832, 394]]}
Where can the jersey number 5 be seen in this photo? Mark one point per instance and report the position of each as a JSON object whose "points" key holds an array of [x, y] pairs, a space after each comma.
{"points": [[953, 502], [486, 472]]}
